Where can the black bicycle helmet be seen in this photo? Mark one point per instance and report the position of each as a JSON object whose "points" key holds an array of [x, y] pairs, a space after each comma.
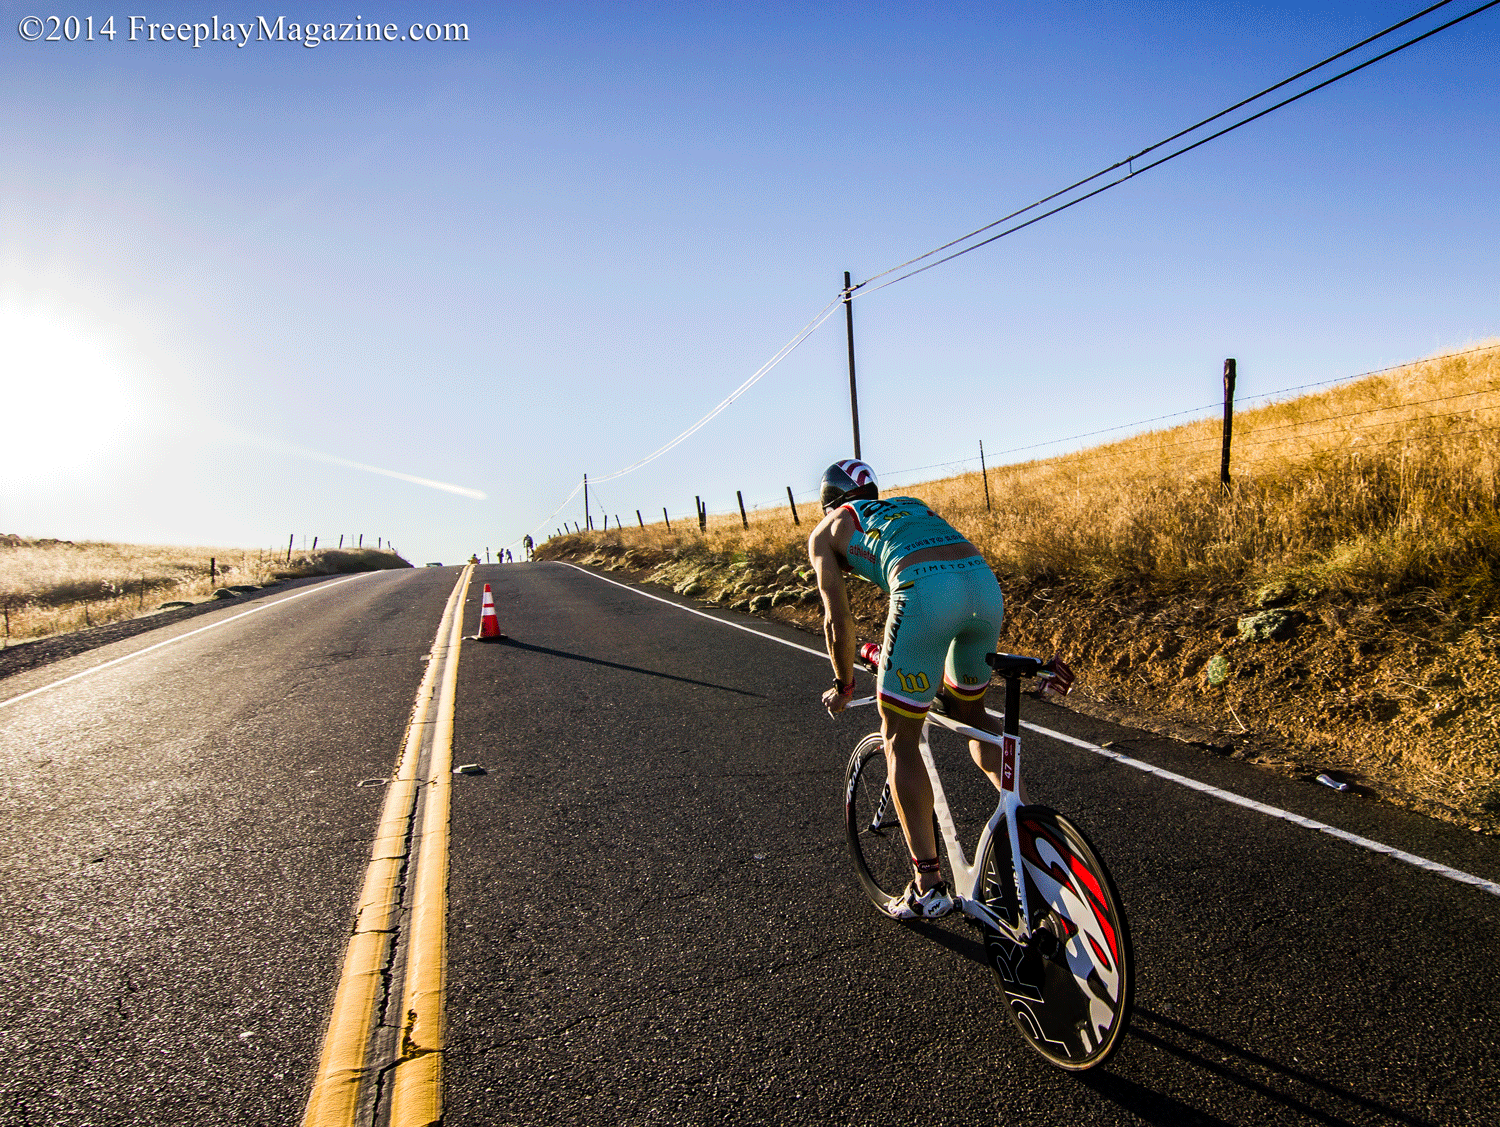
{"points": [[849, 480]]}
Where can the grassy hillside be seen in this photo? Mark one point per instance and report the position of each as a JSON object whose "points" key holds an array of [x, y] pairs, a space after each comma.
{"points": [[1335, 608], [54, 586]]}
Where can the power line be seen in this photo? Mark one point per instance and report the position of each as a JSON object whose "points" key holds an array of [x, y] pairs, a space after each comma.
{"points": [[1129, 162], [785, 351]]}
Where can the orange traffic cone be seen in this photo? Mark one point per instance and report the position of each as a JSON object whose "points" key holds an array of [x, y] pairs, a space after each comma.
{"points": [[489, 621]]}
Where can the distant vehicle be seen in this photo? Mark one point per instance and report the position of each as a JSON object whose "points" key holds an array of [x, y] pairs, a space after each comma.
{"points": [[434, 565]]}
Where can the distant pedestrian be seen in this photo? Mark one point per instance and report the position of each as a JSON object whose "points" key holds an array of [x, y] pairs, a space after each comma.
{"points": [[526, 543]]}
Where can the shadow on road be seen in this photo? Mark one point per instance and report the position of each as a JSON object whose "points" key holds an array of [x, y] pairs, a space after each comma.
{"points": [[626, 668], [1251, 1072]]}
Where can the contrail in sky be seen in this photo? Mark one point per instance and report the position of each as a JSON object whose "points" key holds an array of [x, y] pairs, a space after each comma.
{"points": [[281, 447], [447, 487]]}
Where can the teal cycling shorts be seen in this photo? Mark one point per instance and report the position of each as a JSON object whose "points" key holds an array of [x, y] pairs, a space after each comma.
{"points": [[944, 617]]}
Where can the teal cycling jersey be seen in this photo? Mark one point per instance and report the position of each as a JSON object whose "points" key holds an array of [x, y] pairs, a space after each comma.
{"points": [[889, 529]]}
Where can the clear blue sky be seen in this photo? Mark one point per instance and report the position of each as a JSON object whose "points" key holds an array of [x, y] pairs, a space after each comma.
{"points": [[231, 276]]}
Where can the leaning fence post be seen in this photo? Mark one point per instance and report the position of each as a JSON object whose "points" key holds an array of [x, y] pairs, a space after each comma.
{"points": [[289, 540], [984, 473], [1229, 374], [793, 504], [744, 520], [641, 518]]}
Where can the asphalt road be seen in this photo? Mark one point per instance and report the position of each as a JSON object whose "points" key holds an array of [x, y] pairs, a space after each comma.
{"points": [[652, 917]]}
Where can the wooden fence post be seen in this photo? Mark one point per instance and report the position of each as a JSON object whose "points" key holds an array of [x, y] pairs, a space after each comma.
{"points": [[984, 473], [1229, 376], [790, 501], [315, 544], [289, 540], [213, 570], [666, 518], [744, 520], [641, 518]]}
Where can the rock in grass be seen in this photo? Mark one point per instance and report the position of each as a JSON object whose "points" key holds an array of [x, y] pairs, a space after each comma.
{"points": [[1276, 594], [1216, 672], [174, 604], [226, 593], [1269, 625]]}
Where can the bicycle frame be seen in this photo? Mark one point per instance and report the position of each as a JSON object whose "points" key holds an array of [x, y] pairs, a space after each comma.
{"points": [[1064, 963], [965, 872]]}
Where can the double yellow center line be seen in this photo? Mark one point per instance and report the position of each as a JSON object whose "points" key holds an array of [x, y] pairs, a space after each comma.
{"points": [[342, 1091]]}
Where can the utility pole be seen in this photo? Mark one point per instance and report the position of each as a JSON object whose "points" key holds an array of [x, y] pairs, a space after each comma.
{"points": [[853, 394]]}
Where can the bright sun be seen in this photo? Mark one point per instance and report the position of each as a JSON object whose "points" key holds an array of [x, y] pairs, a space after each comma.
{"points": [[69, 395]]}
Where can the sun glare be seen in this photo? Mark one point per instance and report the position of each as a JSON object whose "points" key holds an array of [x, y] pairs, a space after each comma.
{"points": [[70, 397]]}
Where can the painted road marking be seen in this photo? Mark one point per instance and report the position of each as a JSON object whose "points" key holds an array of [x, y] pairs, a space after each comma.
{"points": [[173, 641], [1492, 887], [344, 1065], [1276, 812], [417, 1092]]}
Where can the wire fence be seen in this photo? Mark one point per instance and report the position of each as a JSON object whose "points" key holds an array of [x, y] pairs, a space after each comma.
{"points": [[1256, 434]]}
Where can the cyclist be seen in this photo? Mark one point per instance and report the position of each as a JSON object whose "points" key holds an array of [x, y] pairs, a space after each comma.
{"points": [[945, 615]]}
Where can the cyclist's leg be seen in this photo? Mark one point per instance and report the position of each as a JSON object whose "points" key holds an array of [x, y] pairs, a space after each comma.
{"points": [[966, 675], [912, 655], [910, 786]]}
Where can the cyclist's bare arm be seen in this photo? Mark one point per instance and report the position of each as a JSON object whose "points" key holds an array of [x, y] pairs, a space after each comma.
{"points": [[825, 548]]}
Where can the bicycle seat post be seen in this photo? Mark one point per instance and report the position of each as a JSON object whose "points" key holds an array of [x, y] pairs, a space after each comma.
{"points": [[1012, 725]]}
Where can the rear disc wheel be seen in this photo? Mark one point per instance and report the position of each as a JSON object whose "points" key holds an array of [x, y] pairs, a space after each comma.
{"points": [[1069, 988]]}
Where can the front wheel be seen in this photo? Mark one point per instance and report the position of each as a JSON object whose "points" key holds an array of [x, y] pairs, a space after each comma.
{"points": [[876, 842], [1069, 987]]}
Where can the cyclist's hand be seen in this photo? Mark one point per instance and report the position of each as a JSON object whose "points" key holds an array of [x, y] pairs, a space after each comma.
{"points": [[834, 701]]}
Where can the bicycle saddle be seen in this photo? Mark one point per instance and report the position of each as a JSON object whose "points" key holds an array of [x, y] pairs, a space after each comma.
{"points": [[1014, 665]]}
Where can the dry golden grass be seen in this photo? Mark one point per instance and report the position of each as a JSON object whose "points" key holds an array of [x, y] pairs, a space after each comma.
{"points": [[54, 586], [1373, 487], [1369, 511]]}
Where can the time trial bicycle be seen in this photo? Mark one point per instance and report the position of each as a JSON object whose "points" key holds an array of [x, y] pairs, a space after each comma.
{"points": [[1054, 928]]}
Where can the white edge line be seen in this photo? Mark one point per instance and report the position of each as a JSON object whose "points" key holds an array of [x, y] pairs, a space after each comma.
{"points": [[172, 641], [1430, 866], [692, 610], [1275, 812]]}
